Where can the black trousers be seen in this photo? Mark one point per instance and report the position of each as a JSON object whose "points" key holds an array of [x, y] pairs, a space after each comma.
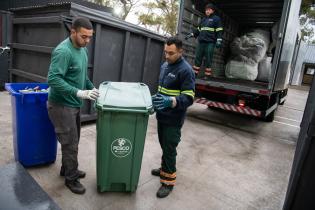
{"points": [[66, 121]]}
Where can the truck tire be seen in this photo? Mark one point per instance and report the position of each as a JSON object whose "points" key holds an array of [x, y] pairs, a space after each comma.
{"points": [[270, 117]]}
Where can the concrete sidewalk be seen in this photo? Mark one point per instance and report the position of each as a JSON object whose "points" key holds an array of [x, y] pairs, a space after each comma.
{"points": [[225, 161]]}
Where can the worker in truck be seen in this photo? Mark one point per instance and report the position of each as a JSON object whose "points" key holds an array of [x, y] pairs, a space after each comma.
{"points": [[69, 84], [209, 33], [175, 94]]}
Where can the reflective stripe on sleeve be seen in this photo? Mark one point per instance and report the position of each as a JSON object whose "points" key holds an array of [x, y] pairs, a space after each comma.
{"points": [[189, 92]]}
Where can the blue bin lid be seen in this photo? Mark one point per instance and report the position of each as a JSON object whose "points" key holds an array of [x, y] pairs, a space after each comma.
{"points": [[124, 96]]}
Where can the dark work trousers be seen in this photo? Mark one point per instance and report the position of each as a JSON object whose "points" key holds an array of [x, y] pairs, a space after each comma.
{"points": [[169, 137], [66, 121], [204, 49]]}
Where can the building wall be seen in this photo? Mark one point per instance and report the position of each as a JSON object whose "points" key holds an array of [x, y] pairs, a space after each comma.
{"points": [[306, 55]]}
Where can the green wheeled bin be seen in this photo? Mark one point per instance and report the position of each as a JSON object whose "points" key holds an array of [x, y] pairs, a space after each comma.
{"points": [[123, 110]]}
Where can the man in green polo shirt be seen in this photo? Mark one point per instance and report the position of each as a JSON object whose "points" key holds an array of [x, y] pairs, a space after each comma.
{"points": [[69, 84]]}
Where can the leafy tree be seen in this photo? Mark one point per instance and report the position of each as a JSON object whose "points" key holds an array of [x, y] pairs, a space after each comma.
{"points": [[160, 14], [107, 3], [307, 20], [126, 5]]}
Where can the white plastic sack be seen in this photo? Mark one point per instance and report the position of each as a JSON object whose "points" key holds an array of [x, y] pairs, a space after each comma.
{"points": [[249, 47], [264, 69], [262, 35], [241, 70], [244, 59]]}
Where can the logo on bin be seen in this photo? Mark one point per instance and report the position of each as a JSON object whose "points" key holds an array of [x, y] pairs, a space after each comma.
{"points": [[121, 147]]}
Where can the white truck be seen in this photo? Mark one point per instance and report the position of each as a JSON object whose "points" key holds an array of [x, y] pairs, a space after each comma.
{"points": [[255, 98]]}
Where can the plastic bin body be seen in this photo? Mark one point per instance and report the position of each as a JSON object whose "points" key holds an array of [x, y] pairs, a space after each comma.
{"points": [[123, 111], [34, 138]]}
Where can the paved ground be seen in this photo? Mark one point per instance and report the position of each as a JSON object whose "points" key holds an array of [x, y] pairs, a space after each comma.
{"points": [[225, 161]]}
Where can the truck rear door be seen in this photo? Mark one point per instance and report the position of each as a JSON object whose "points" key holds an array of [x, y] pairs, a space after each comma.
{"points": [[288, 30]]}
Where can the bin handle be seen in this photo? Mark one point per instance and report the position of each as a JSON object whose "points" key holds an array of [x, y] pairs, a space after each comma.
{"points": [[125, 110], [105, 83]]}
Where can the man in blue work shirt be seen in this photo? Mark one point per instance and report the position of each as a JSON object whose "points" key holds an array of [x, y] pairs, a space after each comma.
{"points": [[175, 94], [209, 33]]}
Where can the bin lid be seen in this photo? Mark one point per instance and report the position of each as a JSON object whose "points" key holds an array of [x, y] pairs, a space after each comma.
{"points": [[124, 96]]}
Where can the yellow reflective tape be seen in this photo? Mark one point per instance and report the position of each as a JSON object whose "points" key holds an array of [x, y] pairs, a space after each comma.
{"points": [[207, 29], [189, 92], [175, 92], [219, 29], [169, 91]]}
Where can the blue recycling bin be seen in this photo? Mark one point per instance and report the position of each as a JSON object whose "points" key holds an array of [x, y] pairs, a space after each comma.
{"points": [[34, 138]]}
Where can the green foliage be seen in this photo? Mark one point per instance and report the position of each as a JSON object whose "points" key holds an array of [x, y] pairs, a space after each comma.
{"points": [[158, 14], [107, 3], [307, 17], [126, 5], [161, 14], [306, 7]]}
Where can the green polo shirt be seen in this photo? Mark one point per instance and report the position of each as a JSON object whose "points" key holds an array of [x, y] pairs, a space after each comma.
{"points": [[68, 74]]}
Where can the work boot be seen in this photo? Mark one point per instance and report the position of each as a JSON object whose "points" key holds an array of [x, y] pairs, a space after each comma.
{"points": [[196, 70], [156, 172], [164, 191], [208, 72], [80, 173], [75, 186]]}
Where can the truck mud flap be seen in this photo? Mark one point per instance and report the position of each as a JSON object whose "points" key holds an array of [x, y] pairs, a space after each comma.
{"points": [[271, 109]]}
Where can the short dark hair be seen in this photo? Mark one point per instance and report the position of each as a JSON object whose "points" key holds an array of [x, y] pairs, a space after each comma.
{"points": [[174, 40], [81, 22], [210, 6]]}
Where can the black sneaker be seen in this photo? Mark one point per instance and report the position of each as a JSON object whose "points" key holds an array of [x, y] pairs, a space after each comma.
{"points": [[164, 191], [75, 186], [81, 173], [156, 172]]}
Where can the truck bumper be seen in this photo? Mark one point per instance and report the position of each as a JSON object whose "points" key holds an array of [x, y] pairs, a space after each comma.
{"points": [[229, 107]]}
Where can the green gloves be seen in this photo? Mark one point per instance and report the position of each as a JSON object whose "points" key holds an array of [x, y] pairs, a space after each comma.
{"points": [[161, 102]]}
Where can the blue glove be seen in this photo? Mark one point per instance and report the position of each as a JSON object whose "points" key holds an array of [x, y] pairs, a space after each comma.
{"points": [[161, 102], [218, 44]]}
